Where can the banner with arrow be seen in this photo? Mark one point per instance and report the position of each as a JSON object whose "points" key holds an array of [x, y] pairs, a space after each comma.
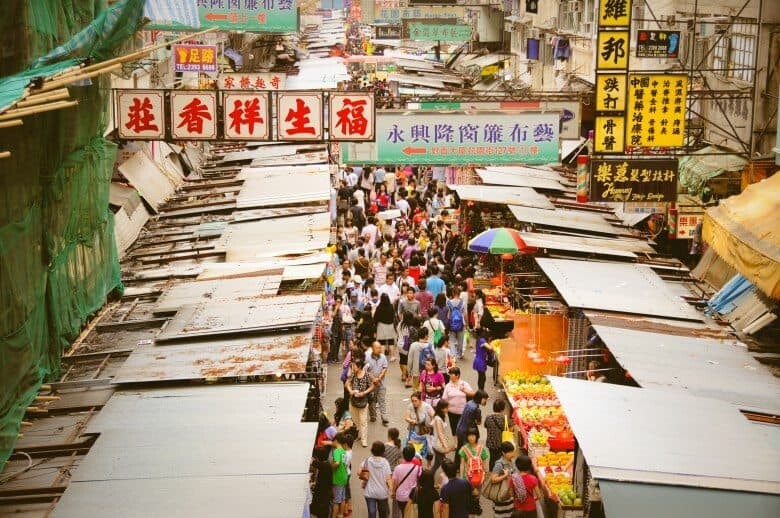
{"points": [[448, 138], [246, 15]]}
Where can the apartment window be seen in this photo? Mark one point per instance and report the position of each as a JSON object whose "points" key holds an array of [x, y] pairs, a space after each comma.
{"points": [[735, 52]]}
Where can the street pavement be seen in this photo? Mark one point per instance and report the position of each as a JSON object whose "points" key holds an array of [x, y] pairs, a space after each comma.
{"points": [[397, 403]]}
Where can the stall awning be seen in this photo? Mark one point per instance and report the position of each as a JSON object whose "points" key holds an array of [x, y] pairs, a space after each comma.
{"points": [[745, 231], [614, 287], [520, 196], [567, 219], [645, 437], [519, 179], [695, 365], [697, 168], [585, 245]]}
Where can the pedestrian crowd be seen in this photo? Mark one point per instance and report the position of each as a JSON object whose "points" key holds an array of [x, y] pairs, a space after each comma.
{"points": [[403, 293]]}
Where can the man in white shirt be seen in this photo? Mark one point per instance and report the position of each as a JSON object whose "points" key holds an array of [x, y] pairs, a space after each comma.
{"points": [[369, 234], [402, 205], [359, 198], [380, 270], [391, 288], [379, 177], [352, 178]]}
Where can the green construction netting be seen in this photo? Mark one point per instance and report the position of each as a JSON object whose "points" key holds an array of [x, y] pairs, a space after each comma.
{"points": [[58, 258]]}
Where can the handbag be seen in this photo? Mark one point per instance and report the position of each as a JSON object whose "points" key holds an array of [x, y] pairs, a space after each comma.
{"points": [[420, 443], [497, 491], [363, 474], [507, 435]]}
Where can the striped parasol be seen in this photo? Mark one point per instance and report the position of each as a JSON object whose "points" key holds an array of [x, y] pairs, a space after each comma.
{"points": [[498, 241]]}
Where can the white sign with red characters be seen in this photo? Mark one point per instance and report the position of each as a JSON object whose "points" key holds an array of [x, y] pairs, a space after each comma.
{"points": [[351, 116], [255, 81], [193, 115], [246, 116], [140, 114], [299, 116]]}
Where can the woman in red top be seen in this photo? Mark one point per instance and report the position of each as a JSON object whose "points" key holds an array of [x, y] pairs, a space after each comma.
{"points": [[525, 487]]}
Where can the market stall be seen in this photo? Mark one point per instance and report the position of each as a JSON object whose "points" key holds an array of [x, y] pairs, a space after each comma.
{"points": [[666, 453]]}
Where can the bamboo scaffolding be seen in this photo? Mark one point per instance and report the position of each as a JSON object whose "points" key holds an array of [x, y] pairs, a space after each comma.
{"points": [[32, 110], [60, 82], [11, 123], [72, 75], [42, 98], [5, 154]]}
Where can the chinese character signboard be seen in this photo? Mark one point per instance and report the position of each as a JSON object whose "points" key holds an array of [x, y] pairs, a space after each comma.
{"points": [[195, 58], [686, 224], [251, 81], [657, 44], [140, 114], [432, 2], [430, 12], [240, 15], [611, 92], [610, 134], [633, 180], [387, 32], [299, 116], [245, 116], [614, 13], [437, 32], [612, 51], [457, 138], [193, 115], [656, 110], [352, 116]]}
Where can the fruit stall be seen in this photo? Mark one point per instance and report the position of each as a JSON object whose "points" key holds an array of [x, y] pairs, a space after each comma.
{"points": [[545, 430]]}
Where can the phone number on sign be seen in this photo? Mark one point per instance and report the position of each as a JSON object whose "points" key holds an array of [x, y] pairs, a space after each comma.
{"points": [[181, 67]]}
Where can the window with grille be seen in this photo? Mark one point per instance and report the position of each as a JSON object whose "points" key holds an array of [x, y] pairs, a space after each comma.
{"points": [[734, 54]]}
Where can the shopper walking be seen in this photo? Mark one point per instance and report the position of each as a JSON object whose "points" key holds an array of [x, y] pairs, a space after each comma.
{"points": [[456, 394], [376, 365], [525, 487], [405, 477], [494, 426], [455, 494], [470, 419], [384, 317], [359, 385], [480, 363], [431, 382], [503, 468], [456, 309], [444, 442], [377, 481]]}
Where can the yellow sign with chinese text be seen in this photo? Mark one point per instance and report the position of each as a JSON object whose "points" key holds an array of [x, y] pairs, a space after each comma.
{"points": [[612, 52], [610, 134], [611, 92], [656, 110], [615, 13]]}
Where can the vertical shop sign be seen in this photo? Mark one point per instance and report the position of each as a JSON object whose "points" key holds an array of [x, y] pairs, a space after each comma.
{"points": [[656, 110], [613, 47], [194, 58], [610, 134], [611, 92], [352, 116], [299, 116], [615, 13], [245, 116], [140, 114], [193, 115]]}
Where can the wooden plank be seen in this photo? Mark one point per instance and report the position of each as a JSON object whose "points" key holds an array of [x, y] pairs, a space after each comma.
{"points": [[129, 325]]}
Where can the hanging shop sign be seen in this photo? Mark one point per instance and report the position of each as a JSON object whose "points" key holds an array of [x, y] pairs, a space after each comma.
{"points": [[194, 58], [246, 116], [611, 92], [656, 110], [439, 32], [458, 139], [612, 50], [238, 15], [140, 114], [629, 180], [430, 12], [614, 13], [657, 44], [299, 116], [387, 32], [193, 115], [610, 131], [569, 111], [253, 81], [687, 223], [352, 116]]}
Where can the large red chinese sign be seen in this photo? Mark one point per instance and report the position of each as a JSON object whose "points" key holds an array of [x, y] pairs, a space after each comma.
{"points": [[194, 115], [246, 116], [351, 116], [299, 116], [140, 114]]}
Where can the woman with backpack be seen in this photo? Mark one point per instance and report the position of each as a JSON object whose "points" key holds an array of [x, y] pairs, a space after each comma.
{"points": [[406, 334], [474, 465], [456, 310], [525, 487]]}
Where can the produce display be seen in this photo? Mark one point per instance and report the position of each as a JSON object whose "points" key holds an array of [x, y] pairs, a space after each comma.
{"points": [[546, 430]]}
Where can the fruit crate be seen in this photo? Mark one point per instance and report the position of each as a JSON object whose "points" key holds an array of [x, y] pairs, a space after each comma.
{"points": [[536, 451], [565, 511]]}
